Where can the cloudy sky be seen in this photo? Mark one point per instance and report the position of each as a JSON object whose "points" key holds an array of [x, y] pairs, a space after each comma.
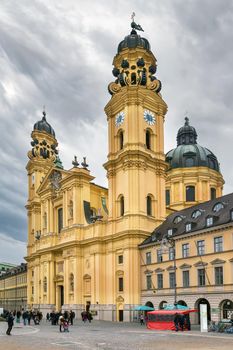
{"points": [[59, 54]]}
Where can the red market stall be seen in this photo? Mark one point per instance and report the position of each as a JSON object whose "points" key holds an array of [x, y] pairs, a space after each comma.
{"points": [[164, 319]]}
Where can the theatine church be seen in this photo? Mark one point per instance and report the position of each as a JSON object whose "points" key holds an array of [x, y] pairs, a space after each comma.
{"points": [[83, 239]]}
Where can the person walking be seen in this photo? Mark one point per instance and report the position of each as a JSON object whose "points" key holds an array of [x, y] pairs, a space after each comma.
{"points": [[176, 321], [10, 321], [141, 319], [72, 316], [25, 317]]}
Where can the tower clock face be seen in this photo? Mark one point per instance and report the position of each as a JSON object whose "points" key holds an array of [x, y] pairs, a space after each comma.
{"points": [[149, 117], [120, 118]]}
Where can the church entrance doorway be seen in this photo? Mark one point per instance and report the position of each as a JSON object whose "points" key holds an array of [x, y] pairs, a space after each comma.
{"points": [[60, 297]]}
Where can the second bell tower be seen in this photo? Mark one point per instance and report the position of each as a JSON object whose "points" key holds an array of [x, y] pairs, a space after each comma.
{"points": [[136, 162]]}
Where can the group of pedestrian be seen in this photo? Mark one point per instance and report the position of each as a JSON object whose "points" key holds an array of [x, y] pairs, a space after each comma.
{"points": [[86, 316], [182, 322], [54, 317], [29, 315]]}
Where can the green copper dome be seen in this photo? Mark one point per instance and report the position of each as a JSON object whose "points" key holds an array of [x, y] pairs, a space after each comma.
{"points": [[43, 125], [189, 153]]}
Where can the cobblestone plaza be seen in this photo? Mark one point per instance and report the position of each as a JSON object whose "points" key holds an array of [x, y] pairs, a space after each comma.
{"points": [[108, 335]]}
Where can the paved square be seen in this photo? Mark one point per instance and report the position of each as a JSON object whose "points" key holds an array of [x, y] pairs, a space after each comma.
{"points": [[106, 336]]}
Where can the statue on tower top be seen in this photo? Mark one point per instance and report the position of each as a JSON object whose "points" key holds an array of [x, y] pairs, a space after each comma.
{"points": [[134, 25]]}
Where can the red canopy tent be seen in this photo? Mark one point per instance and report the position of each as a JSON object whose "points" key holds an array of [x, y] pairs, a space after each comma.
{"points": [[164, 319]]}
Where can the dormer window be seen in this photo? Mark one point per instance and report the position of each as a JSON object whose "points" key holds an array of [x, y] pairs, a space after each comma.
{"points": [[188, 227], [218, 206], [209, 221], [169, 232], [231, 214], [196, 214], [177, 219]]}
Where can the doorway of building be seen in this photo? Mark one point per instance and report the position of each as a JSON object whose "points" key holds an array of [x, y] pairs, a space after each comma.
{"points": [[61, 296], [88, 305], [121, 315], [197, 306]]}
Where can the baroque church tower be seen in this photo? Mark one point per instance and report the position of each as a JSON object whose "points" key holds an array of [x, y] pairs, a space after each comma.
{"points": [[82, 238], [136, 162]]}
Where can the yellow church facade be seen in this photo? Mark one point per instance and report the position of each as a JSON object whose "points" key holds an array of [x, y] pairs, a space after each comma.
{"points": [[83, 238]]}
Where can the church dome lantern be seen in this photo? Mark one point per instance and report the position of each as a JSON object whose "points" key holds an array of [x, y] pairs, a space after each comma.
{"points": [[43, 125], [134, 63]]}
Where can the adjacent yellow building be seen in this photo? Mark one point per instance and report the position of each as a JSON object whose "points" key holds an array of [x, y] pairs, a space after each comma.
{"points": [[13, 288], [201, 266], [83, 238]]}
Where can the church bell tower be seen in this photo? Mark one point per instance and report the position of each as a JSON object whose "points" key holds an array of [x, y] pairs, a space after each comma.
{"points": [[136, 162]]}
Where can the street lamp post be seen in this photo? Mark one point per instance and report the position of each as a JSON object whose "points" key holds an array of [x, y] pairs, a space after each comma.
{"points": [[168, 243]]}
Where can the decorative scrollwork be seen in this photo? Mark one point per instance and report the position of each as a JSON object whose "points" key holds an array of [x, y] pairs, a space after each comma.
{"points": [[113, 88], [155, 85]]}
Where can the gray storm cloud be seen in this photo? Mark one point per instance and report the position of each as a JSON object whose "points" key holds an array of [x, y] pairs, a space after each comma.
{"points": [[59, 54]]}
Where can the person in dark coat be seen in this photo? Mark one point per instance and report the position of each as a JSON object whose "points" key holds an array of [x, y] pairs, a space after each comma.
{"points": [[10, 321], [72, 316], [176, 321], [181, 322]]}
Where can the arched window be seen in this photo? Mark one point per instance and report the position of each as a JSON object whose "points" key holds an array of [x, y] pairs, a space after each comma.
{"points": [[149, 205], [148, 139], [121, 140], [122, 206], [190, 193], [218, 206], [212, 193], [45, 284], [71, 282], [133, 79]]}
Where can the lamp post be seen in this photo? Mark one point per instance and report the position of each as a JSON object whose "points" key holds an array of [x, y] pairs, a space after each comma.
{"points": [[168, 243]]}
